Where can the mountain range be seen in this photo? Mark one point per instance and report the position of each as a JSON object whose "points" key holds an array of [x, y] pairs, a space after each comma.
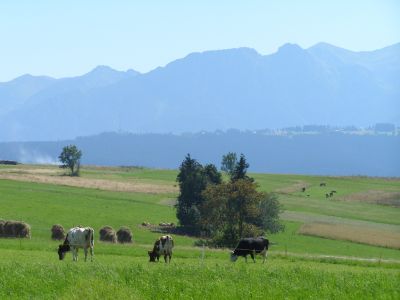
{"points": [[234, 88]]}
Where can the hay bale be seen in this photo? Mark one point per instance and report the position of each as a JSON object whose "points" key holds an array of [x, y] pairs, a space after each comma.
{"points": [[16, 229], [107, 234], [124, 235], [57, 232], [2, 223]]}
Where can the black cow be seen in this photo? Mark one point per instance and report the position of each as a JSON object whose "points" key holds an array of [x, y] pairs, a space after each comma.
{"points": [[251, 246]]}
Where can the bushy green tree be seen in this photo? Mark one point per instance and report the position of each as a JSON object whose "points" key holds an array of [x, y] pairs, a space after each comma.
{"points": [[240, 170], [70, 158], [236, 209], [211, 174], [228, 163], [193, 178]]}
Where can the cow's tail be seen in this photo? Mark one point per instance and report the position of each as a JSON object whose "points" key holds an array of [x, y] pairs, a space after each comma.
{"points": [[90, 236]]}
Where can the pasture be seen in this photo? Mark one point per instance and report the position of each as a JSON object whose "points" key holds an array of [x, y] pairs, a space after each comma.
{"points": [[316, 263]]}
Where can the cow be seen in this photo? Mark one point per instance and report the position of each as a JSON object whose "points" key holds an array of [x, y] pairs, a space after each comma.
{"points": [[251, 246], [77, 237], [163, 246]]}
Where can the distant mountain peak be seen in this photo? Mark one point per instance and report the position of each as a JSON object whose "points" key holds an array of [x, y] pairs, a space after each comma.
{"points": [[101, 69], [29, 77], [290, 48], [223, 52]]}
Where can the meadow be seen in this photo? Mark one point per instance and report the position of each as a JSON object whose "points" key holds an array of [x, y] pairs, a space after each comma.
{"points": [[317, 263]]}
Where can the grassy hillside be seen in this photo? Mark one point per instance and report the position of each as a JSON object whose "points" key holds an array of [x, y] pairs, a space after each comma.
{"points": [[332, 247]]}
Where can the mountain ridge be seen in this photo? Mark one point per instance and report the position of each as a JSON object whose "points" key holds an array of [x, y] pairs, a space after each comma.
{"points": [[218, 89]]}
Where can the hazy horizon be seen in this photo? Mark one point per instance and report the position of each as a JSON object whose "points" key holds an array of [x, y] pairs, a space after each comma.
{"points": [[64, 39]]}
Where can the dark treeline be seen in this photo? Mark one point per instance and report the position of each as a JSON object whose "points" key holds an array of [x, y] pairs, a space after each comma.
{"points": [[327, 154]]}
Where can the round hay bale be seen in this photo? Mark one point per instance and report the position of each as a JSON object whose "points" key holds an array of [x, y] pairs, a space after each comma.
{"points": [[17, 229], [124, 235], [107, 234], [2, 223], [57, 232]]}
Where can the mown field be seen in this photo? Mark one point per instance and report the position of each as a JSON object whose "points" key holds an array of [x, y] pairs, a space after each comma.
{"points": [[345, 246]]}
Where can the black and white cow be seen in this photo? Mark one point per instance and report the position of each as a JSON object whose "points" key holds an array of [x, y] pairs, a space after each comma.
{"points": [[163, 246], [251, 246], [77, 237]]}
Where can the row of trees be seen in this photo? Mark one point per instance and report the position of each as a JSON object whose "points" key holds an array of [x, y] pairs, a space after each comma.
{"points": [[224, 211]]}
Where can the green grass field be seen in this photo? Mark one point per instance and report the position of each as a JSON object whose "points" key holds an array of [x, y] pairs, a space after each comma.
{"points": [[299, 266]]}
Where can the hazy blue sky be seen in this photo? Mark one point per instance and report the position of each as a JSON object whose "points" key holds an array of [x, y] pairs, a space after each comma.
{"points": [[67, 38]]}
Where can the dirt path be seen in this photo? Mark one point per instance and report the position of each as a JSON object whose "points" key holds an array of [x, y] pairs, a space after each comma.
{"points": [[101, 184]]}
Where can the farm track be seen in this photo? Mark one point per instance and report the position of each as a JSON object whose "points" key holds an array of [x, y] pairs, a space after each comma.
{"points": [[84, 182]]}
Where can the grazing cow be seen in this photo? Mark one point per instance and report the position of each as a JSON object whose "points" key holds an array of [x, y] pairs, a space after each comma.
{"points": [[77, 237], [327, 195], [331, 194], [163, 246], [303, 189], [322, 184], [251, 246]]}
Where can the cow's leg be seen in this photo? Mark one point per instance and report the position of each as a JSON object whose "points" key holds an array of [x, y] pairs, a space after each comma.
{"points": [[252, 254], [91, 253], [86, 252], [165, 257], [170, 256], [74, 254], [264, 254]]}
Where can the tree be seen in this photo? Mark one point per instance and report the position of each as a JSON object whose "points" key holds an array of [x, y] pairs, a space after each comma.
{"points": [[211, 174], [193, 178], [70, 158], [236, 209], [270, 208], [228, 163], [240, 170]]}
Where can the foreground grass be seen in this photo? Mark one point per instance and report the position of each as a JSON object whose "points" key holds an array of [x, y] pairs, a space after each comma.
{"points": [[32, 274]]}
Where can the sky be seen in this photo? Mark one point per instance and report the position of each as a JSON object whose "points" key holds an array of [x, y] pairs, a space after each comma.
{"points": [[69, 38]]}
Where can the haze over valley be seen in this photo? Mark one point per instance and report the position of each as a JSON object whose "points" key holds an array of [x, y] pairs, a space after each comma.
{"points": [[212, 90]]}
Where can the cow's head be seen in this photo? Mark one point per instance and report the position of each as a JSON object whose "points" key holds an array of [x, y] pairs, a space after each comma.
{"points": [[234, 257], [62, 249], [152, 256]]}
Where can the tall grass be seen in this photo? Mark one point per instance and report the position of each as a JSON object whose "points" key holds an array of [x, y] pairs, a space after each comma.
{"points": [[133, 278]]}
